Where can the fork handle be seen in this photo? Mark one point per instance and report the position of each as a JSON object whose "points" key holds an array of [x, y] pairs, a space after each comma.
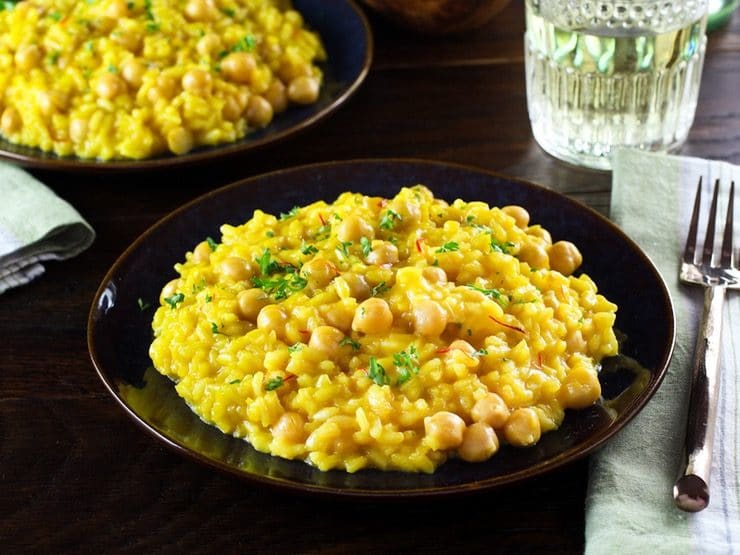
{"points": [[691, 490]]}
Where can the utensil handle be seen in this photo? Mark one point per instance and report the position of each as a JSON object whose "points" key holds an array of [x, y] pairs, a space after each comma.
{"points": [[691, 490]]}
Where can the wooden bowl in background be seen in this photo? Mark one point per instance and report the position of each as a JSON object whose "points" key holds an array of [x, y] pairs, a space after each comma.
{"points": [[438, 17]]}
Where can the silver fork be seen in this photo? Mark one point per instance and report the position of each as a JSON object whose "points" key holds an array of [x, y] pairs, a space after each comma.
{"points": [[691, 490]]}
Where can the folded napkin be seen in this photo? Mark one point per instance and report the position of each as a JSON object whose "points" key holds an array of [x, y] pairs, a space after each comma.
{"points": [[629, 505], [35, 225]]}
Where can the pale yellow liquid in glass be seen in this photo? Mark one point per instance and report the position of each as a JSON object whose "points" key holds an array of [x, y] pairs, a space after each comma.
{"points": [[590, 92]]}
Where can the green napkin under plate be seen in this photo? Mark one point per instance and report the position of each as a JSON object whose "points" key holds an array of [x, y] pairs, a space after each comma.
{"points": [[35, 226], [629, 505]]}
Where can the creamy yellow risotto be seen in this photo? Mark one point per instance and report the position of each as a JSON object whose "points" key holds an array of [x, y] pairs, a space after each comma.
{"points": [[384, 333], [135, 78]]}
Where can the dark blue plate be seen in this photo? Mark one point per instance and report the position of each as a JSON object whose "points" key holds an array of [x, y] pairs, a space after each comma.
{"points": [[119, 333], [348, 41]]}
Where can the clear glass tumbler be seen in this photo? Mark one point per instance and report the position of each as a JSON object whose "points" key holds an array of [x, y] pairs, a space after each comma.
{"points": [[603, 74]]}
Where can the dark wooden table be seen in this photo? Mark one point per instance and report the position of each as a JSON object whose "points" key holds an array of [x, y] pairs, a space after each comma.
{"points": [[77, 476]]}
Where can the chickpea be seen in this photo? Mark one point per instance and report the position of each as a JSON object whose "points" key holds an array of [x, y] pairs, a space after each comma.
{"points": [[541, 233], [202, 252], [11, 120], [383, 253], [564, 257], [444, 430], [358, 286], [259, 111], [434, 274], [409, 211], [491, 410], [232, 109], [108, 86], [290, 428], [523, 427], [580, 389], [462, 345], [207, 44], [239, 67], [132, 72], [197, 81], [236, 269], [353, 227], [430, 318], [520, 215], [272, 318], [304, 90], [534, 254], [199, 10], [180, 140], [290, 70], [165, 88], [129, 39], [169, 289], [45, 103], [250, 302], [319, 272], [326, 339], [479, 443], [373, 316], [276, 96], [117, 9], [77, 129], [27, 57]]}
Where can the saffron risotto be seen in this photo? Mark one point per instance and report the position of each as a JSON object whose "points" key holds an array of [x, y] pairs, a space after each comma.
{"points": [[111, 79], [384, 333]]}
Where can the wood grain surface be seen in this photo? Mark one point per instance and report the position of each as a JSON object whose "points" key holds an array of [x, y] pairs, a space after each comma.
{"points": [[76, 476]]}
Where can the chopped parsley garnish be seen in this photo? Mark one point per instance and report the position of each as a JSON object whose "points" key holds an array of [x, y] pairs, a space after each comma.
{"points": [[246, 44], [494, 294], [274, 383], [376, 373], [269, 233], [480, 352], [308, 249], [367, 246], [268, 266], [56, 16], [281, 287], [292, 212], [343, 248], [7, 5], [323, 231], [295, 347], [208, 298], [469, 219], [89, 46], [130, 5], [152, 27], [174, 300], [112, 69], [143, 305], [211, 243], [351, 342], [232, 382], [450, 246], [389, 219], [199, 286], [380, 289], [337, 216], [214, 328], [498, 246], [54, 57], [229, 11], [407, 364]]}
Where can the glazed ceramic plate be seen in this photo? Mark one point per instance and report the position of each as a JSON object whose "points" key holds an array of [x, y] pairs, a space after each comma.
{"points": [[349, 44], [119, 332]]}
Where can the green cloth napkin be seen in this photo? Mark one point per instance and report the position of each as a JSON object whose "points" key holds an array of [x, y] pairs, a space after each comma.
{"points": [[629, 505], [35, 225]]}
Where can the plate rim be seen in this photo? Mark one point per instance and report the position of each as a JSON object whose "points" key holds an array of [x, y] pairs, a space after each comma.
{"points": [[36, 158], [591, 445]]}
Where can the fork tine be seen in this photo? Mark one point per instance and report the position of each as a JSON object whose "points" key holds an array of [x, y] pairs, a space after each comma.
{"points": [[709, 238], [726, 260], [690, 249]]}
